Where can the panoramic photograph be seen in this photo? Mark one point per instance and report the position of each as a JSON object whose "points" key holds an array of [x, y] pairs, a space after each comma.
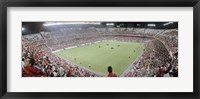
{"points": [[99, 49]]}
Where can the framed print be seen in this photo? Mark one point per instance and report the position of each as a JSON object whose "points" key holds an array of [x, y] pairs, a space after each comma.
{"points": [[90, 49]]}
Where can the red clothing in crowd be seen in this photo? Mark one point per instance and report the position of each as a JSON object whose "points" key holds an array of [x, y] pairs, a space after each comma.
{"points": [[112, 75], [162, 71], [69, 74], [31, 71]]}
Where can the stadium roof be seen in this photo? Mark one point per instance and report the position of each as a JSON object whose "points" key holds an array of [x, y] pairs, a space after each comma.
{"points": [[36, 27]]}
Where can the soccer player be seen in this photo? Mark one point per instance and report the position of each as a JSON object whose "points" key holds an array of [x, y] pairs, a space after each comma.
{"points": [[29, 70], [111, 74]]}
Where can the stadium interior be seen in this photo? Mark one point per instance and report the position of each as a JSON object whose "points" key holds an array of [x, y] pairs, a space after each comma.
{"points": [[159, 57]]}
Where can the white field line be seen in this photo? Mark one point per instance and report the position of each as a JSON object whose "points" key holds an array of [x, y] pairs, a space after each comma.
{"points": [[95, 72], [130, 66], [82, 67], [71, 47]]}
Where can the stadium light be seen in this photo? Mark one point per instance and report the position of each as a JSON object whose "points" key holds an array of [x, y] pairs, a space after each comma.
{"points": [[138, 24], [53, 23], [93, 23], [70, 23], [167, 23], [110, 24], [151, 25], [23, 29]]}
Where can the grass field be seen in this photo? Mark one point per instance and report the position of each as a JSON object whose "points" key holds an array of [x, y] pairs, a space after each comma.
{"points": [[98, 59]]}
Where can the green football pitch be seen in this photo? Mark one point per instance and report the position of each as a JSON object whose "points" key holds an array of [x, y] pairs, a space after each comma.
{"points": [[97, 57]]}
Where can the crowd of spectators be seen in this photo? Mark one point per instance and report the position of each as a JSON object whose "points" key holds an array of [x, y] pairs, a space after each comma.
{"points": [[159, 58], [49, 64], [155, 61], [170, 40]]}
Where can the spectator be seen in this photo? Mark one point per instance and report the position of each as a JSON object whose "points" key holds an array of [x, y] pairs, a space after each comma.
{"points": [[111, 74], [29, 70]]}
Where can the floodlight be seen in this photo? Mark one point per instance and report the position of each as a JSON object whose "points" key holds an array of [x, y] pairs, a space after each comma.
{"points": [[151, 25], [23, 29]]}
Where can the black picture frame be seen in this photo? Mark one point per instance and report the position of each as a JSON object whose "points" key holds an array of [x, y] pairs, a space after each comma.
{"points": [[99, 3]]}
